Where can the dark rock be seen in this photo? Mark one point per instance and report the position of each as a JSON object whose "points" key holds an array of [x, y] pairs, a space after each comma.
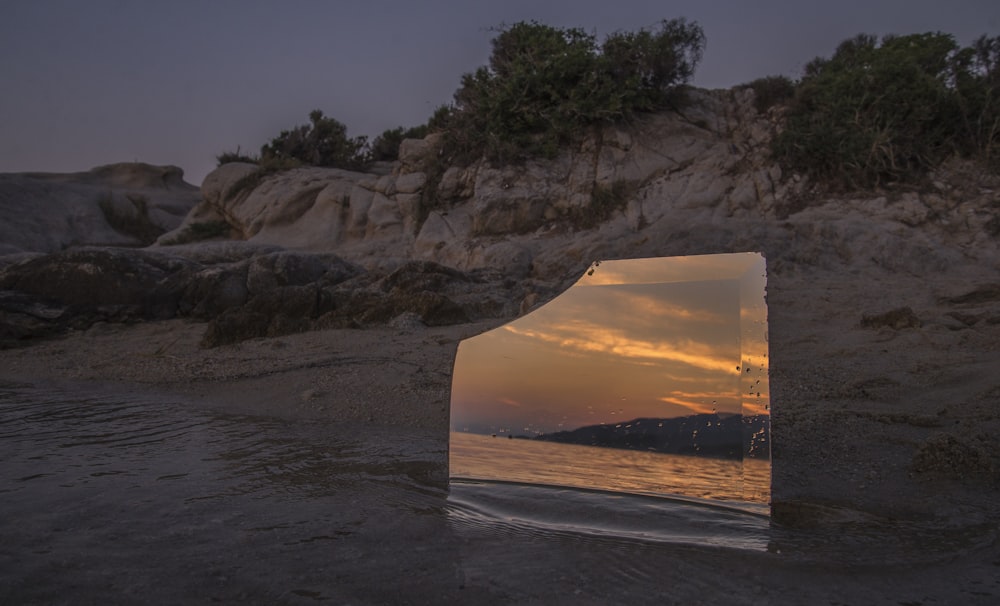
{"points": [[208, 292], [234, 326], [423, 275], [433, 308], [23, 317], [283, 269], [243, 294], [280, 311], [896, 319], [94, 276]]}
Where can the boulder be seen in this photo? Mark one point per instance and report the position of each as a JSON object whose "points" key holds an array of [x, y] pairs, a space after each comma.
{"points": [[127, 204], [97, 277]]}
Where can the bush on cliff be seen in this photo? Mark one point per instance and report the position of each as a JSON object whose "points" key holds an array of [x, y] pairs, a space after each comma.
{"points": [[385, 147], [546, 86], [878, 112], [228, 157], [770, 91], [322, 142]]}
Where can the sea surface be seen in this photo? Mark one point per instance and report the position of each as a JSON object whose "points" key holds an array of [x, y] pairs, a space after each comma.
{"points": [[744, 484], [125, 497]]}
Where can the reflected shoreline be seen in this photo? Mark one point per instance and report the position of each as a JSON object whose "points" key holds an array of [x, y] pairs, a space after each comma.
{"points": [[723, 436]]}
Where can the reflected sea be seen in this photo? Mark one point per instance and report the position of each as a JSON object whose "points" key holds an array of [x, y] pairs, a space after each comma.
{"points": [[118, 497], [741, 484]]}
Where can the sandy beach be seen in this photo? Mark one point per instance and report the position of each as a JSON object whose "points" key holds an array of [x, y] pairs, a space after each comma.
{"points": [[884, 484]]}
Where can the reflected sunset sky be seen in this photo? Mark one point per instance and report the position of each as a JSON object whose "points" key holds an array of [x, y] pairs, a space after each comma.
{"points": [[640, 338]]}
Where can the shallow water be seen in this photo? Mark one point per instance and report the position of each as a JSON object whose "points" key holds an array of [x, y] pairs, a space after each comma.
{"points": [[114, 497]]}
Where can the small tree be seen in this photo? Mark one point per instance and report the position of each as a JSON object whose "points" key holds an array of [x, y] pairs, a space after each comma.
{"points": [[385, 147], [880, 112], [322, 142], [976, 78], [546, 86], [227, 157]]}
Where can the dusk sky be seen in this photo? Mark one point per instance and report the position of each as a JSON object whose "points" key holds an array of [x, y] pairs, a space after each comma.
{"points": [[99, 81], [618, 345]]}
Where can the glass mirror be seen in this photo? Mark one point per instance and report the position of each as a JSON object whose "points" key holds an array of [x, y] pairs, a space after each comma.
{"points": [[647, 376]]}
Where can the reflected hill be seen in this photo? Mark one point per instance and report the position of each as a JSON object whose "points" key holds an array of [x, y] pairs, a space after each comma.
{"points": [[708, 435]]}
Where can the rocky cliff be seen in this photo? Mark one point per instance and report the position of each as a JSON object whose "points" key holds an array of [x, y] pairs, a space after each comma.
{"points": [[691, 182], [128, 204], [698, 181]]}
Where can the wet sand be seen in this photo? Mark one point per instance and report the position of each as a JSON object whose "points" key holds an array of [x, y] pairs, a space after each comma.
{"points": [[856, 414]]}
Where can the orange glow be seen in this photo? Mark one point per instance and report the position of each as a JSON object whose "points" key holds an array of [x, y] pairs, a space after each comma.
{"points": [[658, 340], [607, 350]]}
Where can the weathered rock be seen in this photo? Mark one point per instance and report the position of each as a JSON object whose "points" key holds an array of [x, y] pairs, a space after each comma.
{"points": [[50, 294], [267, 272], [383, 217], [95, 277], [279, 311], [212, 291], [410, 183], [23, 317], [120, 204]]}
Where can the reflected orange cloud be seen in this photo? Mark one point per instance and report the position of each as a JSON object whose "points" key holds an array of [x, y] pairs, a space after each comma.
{"points": [[753, 408], [621, 350], [679, 269], [653, 309], [693, 407], [612, 342]]}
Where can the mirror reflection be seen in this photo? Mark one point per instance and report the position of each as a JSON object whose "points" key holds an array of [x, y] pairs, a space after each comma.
{"points": [[646, 376]]}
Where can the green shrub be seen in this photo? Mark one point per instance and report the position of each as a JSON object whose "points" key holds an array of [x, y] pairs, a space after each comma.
{"points": [[976, 78], [228, 157], [322, 142], [545, 87], [770, 91], [385, 147], [883, 112]]}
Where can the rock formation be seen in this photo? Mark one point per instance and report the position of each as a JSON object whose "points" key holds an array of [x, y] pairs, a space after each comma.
{"points": [[699, 181], [128, 204]]}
